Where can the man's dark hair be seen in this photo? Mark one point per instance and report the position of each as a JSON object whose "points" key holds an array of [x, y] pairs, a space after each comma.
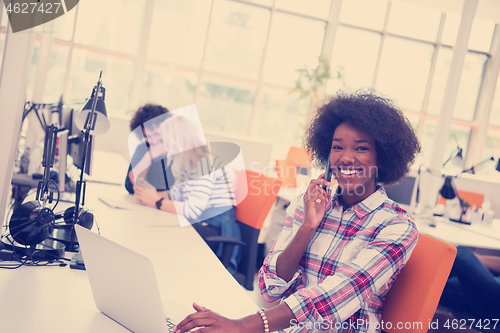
{"points": [[146, 113], [395, 140]]}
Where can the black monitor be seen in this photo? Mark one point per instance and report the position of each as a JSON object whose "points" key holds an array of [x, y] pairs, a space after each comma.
{"points": [[403, 192], [75, 141]]}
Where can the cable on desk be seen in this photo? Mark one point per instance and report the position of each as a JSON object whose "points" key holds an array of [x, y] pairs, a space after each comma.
{"points": [[96, 220], [29, 259], [58, 194]]}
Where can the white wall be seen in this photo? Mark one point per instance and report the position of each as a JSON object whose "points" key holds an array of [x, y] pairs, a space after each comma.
{"points": [[116, 139], [256, 154], [490, 189]]}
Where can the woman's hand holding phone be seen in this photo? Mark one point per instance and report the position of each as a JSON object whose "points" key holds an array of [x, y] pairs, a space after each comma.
{"points": [[327, 175], [315, 201]]}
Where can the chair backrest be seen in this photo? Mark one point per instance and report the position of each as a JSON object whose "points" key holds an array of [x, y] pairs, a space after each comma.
{"points": [[414, 296], [473, 198], [251, 213], [286, 173], [299, 157], [262, 193]]}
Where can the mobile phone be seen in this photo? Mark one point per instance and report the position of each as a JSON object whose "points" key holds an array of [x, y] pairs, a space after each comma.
{"points": [[328, 173]]}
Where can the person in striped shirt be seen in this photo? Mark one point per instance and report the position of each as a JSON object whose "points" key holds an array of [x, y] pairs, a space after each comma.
{"points": [[202, 187], [337, 256]]}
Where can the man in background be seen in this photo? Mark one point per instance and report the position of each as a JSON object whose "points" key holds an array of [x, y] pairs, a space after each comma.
{"points": [[152, 153]]}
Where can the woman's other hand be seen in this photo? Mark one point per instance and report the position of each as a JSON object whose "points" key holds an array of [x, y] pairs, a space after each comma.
{"points": [[146, 193], [208, 321]]}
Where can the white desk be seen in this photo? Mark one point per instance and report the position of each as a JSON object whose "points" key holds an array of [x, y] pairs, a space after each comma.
{"points": [[59, 299], [475, 236], [108, 167]]}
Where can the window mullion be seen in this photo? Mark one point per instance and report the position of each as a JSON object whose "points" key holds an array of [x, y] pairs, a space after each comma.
{"points": [[381, 47], [254, 117], [486, 97], [201, 70], [66, 86], [425, 104], [140, 64]]}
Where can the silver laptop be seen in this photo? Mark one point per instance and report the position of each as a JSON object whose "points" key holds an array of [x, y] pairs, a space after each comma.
{"points": [[124, 286]]}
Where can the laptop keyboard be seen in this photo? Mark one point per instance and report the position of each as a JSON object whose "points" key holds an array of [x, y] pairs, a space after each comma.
{"points": [[171, 324]]}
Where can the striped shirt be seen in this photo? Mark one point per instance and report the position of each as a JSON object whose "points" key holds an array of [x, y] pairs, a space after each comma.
{"points": [[346, 270], [205, 189]]}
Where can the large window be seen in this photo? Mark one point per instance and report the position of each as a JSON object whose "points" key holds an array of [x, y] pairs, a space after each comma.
{"points": [[178, 32], [403, 59], [237, 60], [356, 61], [294, 43], [236, 40], [225, 105]]}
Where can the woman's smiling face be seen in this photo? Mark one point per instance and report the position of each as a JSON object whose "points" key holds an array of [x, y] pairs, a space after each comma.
{"points": [[353, 159]]}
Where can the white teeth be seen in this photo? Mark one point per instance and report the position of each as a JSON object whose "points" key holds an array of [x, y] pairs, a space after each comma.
{"points": [[349, 172]]}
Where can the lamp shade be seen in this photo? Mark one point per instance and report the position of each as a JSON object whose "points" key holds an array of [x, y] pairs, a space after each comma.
{"points": [[447, 191], [458, 159], [101, 124]]}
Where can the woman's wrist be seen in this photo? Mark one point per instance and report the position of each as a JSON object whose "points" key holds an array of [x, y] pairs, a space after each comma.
{"points": [[278, 318], [265, 322], [159, 202], [307, 229], [252, 323]]}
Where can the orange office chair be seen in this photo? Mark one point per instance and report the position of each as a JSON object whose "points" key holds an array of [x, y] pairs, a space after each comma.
{"points": [[472, 198], [414, 296], [298, 161], [299, 157], [250, 215], [286, 173]]}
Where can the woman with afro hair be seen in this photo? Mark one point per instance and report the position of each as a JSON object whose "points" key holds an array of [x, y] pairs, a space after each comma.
{"points": [[338, 253]]}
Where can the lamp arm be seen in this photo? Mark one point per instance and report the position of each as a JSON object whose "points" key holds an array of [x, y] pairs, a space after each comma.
{"points": [[453, 153], [87, 127], [91, 118], [47, 162], [449, 158], [81, 182], [472, 168]]}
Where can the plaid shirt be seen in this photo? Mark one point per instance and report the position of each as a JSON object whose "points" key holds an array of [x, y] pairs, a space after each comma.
{"points": [[346, 270]]}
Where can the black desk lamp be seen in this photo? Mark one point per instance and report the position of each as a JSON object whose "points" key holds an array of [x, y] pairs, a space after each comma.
{"points": [[472, 169], [91, 120], [456, 156], [448, 190]]}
